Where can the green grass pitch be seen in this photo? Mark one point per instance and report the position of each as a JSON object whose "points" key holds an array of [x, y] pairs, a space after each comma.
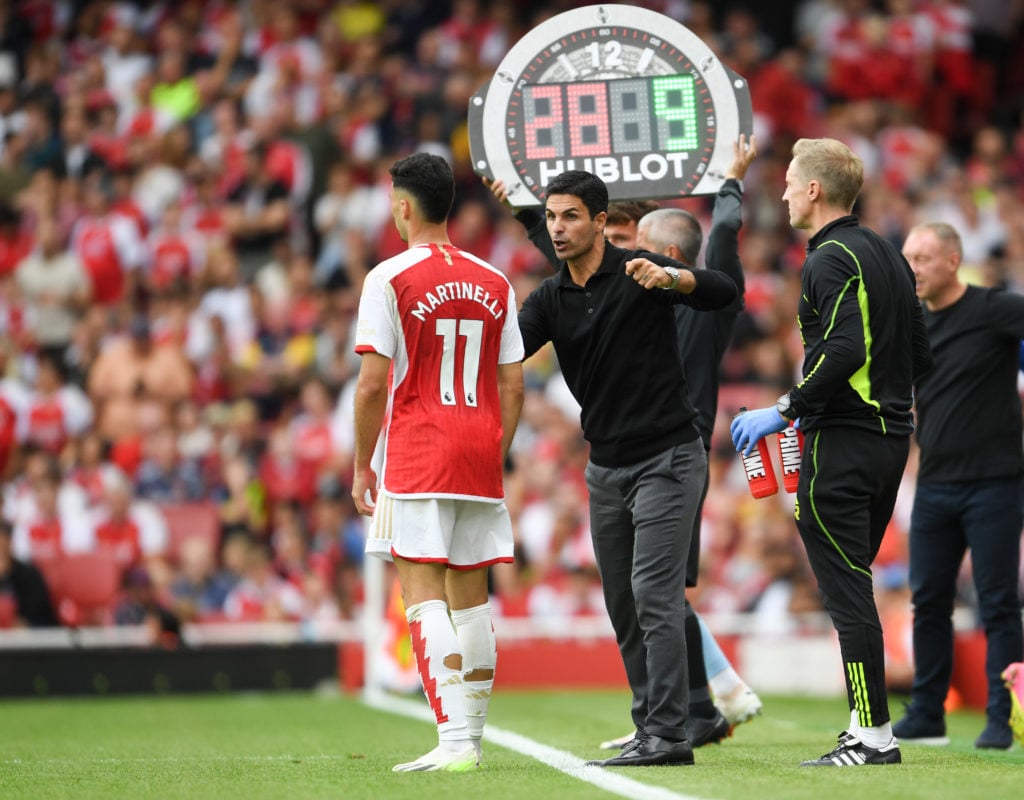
{"points": [[300, 746]]}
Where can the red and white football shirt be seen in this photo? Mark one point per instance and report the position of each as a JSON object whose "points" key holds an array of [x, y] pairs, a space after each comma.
{"points": [[171, 255], [446, 319], [50, 420], [108, 247]]}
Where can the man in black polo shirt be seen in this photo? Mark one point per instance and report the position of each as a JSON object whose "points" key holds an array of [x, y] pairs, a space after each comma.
{"points": [[864, 344], [609, 314], [969, 490], [703, 339]]}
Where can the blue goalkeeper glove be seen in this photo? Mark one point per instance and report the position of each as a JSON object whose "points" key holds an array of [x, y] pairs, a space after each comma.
{"points": [[752, 426]]}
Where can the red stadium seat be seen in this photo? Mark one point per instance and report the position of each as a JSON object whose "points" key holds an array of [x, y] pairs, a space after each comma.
{"points": [[85, 587], [186, 520]]}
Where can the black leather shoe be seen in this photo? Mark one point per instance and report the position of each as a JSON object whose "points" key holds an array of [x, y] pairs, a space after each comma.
{"points": [[701, 731], [650, 751]]}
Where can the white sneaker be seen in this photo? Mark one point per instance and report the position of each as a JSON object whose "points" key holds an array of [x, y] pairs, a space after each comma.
{"points": [[618, 744], [440, 759], [740, 705]]}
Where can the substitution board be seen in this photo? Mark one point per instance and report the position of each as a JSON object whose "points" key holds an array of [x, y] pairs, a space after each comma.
{"points": [[626, 93]]}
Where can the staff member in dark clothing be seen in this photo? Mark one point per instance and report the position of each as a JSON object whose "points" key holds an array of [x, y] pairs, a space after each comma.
{"points": [[609, 314], [969, 485], [703, 339], [864, 343]]}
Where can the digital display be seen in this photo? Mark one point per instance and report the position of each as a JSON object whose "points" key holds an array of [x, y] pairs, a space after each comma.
{"points": [[625, 93], [575, 120]]}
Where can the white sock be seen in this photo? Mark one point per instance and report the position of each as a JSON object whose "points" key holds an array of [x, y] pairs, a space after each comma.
{"points": [[725, 682], [479, 651], [854, 729], [433, 640], [876, 737]]}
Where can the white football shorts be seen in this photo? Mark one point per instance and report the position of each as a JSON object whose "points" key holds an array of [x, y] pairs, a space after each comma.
{"points": [[464, 534]]}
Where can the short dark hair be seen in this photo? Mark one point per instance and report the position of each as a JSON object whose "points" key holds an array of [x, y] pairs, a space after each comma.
{"points": [[428, 178], [622, 212], [587, 187]]}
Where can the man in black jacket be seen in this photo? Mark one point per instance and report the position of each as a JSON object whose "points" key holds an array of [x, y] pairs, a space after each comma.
{"points": [[609, 314], [969, 490], [864, 345]]}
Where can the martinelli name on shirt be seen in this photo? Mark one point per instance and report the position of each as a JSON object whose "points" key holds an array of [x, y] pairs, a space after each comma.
{"points": [[457, 290]]}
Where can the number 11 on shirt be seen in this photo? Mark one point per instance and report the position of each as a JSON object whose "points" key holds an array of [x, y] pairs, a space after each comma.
{"points": [[472, 331]]}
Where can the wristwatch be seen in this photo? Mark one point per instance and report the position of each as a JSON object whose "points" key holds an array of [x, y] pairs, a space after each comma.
{"points": [[784, 405], [673, 273]]}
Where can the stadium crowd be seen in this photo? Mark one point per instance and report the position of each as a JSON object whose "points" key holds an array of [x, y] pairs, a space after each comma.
{"points": [[191, 193]]}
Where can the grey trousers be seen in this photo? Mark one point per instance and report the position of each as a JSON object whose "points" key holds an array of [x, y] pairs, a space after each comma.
{"points": [[641, 521]]}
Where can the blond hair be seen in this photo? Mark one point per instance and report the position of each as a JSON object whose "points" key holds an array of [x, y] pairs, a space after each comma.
{"points": [[833, 165]]}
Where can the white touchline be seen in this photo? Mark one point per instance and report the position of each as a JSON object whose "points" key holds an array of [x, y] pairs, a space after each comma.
{"points": [[564, 762]]}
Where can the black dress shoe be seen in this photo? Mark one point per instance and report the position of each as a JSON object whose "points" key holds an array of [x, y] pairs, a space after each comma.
{"points": [[701, 731], [650, 751]]}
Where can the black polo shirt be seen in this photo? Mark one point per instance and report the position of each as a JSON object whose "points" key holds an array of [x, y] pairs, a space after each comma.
{"points": [[703, 338], [616, 346]]}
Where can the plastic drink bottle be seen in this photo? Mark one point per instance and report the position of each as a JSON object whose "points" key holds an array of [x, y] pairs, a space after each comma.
{"points": [[791, 448], [758, 468]]}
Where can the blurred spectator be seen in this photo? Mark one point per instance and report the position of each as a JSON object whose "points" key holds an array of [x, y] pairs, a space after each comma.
{"points": [[226, 298], [55, 288], [312, 433], [975, 217], [243, 505], [244, 434], [337, 532], [91, 463], [224, 149], [24, 596], [164, 474], [20, 506], [139, 605], [195, 439], [79, 159], [305, 301], [129, 199], [257, 214], [43, 144], [199, 589], [124, 56], [279, 356], [262, 594], [15, 241], [13, 401], [130, 530], [132, 374], [90, 335], [285, 476], [55, 411], [340, 218], [107, 244], [14, 172], [174, 256], [45, 528], [289, 539]]}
